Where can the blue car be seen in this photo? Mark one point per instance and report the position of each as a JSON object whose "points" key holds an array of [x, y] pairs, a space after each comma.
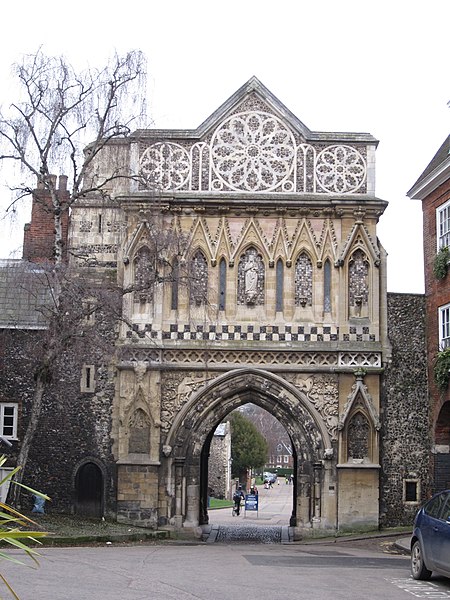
{"points": [[430, 541]]}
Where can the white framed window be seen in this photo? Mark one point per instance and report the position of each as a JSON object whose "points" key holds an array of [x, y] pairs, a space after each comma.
{"points": [[278, 459], [286, 458], [443, 225], [444, 326], [8, 420]]}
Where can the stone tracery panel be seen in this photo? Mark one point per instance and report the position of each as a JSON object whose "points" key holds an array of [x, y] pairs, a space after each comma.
{"points": [[358, 279], [144, 275], [199, 279], [303, 280], [358, 437], [166, 165], [340, 169], [254, 151]]}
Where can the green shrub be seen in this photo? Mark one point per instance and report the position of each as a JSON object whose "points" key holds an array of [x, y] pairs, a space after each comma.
{"points": [[441, 369], [441, 259]]}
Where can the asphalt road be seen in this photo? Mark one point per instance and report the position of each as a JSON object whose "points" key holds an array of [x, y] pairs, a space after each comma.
{"points": [[220, 572], [356, 570]]}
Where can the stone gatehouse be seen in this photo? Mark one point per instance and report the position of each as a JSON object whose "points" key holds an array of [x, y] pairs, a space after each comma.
{"points": [[248, 254]]}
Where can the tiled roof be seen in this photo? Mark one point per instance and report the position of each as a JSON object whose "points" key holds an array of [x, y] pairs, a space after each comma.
{"points": [[24, 295]]}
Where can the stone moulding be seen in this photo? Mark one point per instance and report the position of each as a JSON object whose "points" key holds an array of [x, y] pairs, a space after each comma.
{"points": [[276, 360]]}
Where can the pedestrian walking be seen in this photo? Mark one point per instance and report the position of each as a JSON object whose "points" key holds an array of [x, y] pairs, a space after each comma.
{"points": [[238, 496]]}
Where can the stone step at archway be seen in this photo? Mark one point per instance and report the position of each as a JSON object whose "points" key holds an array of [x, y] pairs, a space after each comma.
{"points": [[251, 534]]}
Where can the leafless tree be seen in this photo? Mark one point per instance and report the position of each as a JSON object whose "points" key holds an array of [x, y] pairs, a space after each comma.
{"points": [[61, 121]]}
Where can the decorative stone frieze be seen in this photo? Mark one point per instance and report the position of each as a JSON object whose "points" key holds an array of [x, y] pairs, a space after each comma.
{"points": [[323, 392]]}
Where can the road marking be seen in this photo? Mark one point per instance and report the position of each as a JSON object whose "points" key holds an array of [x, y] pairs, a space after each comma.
{"points": [[420, 589]]}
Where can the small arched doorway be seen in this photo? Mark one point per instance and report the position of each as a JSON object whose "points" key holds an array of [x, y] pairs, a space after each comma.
{"points": [[89, 490]]}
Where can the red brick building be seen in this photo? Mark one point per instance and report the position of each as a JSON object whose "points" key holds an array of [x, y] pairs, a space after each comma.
{"points": [[433, 189]]}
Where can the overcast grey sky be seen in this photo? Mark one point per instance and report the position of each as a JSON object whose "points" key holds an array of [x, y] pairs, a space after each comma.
{"points": [[351, 65]]}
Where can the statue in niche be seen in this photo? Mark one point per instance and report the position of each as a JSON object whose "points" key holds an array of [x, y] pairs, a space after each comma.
{"points": [[251, 279], [139, 430]]}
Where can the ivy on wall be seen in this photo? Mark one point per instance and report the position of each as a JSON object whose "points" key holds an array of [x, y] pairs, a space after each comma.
{"points": [[442, 368], [441, 260]]}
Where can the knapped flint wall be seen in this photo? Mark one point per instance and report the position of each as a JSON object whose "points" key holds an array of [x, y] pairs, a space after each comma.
{"points": [[405, 434]]}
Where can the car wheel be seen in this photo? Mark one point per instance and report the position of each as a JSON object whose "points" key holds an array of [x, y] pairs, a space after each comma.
{"points": [[418, 568]]}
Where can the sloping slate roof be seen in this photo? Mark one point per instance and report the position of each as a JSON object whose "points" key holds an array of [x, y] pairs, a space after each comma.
{"points": [[441, 156], [24, 295]]}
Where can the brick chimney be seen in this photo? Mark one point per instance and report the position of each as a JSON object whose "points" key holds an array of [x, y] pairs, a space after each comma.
{"points": [[39, 235]]}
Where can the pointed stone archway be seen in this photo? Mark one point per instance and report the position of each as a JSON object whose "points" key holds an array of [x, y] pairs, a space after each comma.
{"points": [[187, 445]]}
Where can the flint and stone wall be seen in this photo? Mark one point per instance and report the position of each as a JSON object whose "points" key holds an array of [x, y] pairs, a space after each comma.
{"points": [[405, 438], [74, 426]]}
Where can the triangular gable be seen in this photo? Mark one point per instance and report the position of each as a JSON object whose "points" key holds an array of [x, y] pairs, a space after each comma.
{"points": [[200, 237], [359, 392], [135, 240], [252, 143], [360, 238], [253, 89], [251, 235], [328, 241], [305, 239]]}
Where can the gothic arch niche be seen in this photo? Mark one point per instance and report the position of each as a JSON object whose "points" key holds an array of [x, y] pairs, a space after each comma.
{"points": [[358, 284], [327, 287], [139, 432], [199, 279], [359, 425], [187, 445], [140, 437], [303, 284], [251, 278], [358, 469], [143, 275], [358, 438]]}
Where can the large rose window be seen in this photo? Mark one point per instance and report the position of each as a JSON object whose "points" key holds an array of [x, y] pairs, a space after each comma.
{"points": [[253, 151], [340, 169], [165, 165]]}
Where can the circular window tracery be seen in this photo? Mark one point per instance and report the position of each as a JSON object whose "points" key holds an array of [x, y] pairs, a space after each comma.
{"points": [[252, 151], [165, 165], [340, 169]]}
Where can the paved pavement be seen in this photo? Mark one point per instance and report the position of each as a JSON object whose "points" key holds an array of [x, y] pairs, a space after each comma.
{"points": [[269, 524], [274, 508]]}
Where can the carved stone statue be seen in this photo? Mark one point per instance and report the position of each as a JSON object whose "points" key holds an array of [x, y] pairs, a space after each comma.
{"points": [[251, 279]]}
